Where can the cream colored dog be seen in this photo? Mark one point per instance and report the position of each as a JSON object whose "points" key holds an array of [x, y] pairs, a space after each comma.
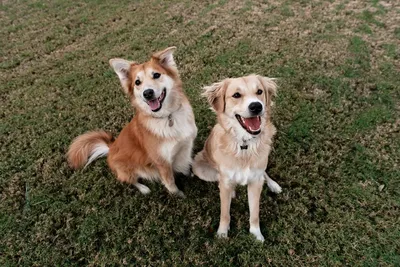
{"points": [[236, 152]]}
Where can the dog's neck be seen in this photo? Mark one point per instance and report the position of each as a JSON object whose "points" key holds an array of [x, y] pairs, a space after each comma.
{"points": [[244, 143], [170, 116], [241, 140]]}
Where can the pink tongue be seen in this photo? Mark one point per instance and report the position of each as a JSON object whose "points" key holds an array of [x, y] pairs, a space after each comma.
{"points": [[253, 123], [154, 104]]}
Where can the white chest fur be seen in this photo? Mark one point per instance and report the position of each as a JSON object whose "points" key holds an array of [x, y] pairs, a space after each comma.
{"points": [[176, 132], [181, 127], [242, 176], [242, 165], [168, 149]]}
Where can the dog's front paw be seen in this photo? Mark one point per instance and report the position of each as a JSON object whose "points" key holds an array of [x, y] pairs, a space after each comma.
{"points": [[222, 233], [179, 193], [174, 190], [223, 230], [257, 233], [189, 173]]}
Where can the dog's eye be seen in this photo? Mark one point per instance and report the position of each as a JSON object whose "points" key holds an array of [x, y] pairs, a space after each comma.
{"points": [[137, 82], [156, 75], [259, 92], [236, 95]]}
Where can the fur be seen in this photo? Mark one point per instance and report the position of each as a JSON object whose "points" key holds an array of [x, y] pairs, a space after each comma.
{"points": [[223, 159], [155, 144]]}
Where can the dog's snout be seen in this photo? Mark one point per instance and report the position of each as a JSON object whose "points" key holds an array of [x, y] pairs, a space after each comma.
{"points": [[255, 108], [148, 94]]}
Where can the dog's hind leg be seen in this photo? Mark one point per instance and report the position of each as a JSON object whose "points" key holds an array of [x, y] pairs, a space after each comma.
{"points": [[142, 188], [272, 185], [203, 170], [132, 179]]}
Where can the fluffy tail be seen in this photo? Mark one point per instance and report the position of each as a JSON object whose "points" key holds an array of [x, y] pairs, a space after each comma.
{"points": [[88, 147]]}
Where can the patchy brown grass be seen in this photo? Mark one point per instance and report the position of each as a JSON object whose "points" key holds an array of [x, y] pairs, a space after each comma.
{"points": [[335, 154]]}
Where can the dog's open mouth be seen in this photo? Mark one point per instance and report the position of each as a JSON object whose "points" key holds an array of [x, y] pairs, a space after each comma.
{"points": [[252, 125], [156, 104]]}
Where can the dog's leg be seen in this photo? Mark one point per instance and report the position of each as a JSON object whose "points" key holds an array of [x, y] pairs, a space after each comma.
{"points": [[225, 193], [202, 169], [132, 179], [183, 158], [272, 185], [167, 177], [254, 191], [142, 188]]}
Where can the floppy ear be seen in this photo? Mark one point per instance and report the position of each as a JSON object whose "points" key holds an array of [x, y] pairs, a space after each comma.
{"points": [[122, 68], [269, 87], [215, 95], [165, 57]]}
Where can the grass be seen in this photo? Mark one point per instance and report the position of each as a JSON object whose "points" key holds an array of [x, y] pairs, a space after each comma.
{"points": [[336, 153]]}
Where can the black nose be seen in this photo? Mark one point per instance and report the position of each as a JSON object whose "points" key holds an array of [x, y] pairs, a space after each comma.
{"points": [[255, 108], [148, 94]]}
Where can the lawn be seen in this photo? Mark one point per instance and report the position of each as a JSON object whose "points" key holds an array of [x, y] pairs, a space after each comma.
{"points": [[336, 153]]}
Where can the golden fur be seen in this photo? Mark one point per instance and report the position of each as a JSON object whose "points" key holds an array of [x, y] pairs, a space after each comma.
{"points": [[155, 143], [235, 154]]}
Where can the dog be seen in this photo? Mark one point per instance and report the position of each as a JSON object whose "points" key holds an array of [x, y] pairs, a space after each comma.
{"points": [[236, 151], [159, 139]]}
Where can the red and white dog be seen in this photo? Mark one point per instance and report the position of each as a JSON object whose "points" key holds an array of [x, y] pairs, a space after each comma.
{"points": [[159, 139]]}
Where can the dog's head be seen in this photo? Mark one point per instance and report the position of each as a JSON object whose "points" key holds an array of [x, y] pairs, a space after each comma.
{"points": [[154, 86], [242, 104]]}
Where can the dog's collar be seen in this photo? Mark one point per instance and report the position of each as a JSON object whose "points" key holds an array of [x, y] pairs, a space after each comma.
{"points": [[245, 146], [170, 119]]}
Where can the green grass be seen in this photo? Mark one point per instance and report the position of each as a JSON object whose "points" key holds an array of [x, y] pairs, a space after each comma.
{"points": [[336, 153]]}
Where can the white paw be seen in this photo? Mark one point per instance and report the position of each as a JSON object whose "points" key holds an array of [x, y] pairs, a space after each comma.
{"points": [[257, 233], [173, 189], [179, 193], [233, 194], [273, 186], [143, 189], [222, 233]]}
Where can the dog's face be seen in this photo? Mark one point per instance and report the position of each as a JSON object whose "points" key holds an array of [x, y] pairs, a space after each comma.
{"points": [[242, 103], [153, 86]]}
